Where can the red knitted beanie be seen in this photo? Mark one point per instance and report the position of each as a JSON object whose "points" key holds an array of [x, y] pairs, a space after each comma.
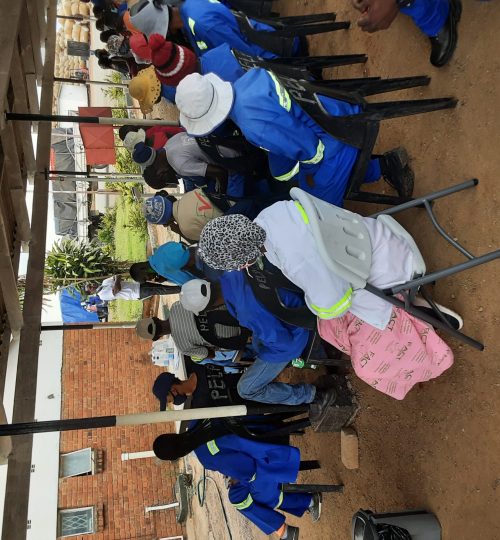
{"points": [[172, 62]]}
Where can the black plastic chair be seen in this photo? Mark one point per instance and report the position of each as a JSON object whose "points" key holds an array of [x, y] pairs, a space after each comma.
{"points": [[361, 130], [299, 67], [254, 8], [282, 41]]}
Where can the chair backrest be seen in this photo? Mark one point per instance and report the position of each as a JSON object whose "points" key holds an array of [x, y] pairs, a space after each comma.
{"points": [[270, 41], [347, 129], [340, 236], [247, 62], [265, 285]]}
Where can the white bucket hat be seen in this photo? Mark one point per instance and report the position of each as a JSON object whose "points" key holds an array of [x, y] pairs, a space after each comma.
{"points": [[204, 102], [195, 295], [132, 138], [149, 19]]}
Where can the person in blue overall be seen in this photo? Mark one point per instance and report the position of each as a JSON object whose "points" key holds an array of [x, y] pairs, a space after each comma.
{"points": [[437, 19], [274, 342], [298, 149], [257, 470], [206, 24]]}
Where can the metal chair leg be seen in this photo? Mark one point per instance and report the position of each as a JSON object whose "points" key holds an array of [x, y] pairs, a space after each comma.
{"points": [[312, 488]]}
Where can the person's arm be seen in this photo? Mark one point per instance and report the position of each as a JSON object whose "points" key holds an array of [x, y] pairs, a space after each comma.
{"points": [[211, 353], [376, 14], [117, 285], [270, 125]]}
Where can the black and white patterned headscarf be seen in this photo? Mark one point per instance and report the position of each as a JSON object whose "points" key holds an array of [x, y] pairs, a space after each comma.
{"points": [[230, 242]]}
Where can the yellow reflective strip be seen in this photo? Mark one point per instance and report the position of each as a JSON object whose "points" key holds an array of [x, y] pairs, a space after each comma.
{"points": [[212, 447], [290, 174], [342, 305], [197, 358], [300, 208], [318, 156], [283, 96], [253, 477], [191, 23], [245, 504], [202, 45], [280, 501]]}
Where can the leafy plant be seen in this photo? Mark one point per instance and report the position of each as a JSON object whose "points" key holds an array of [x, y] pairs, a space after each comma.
{"points": [[115, 93], [137, 222], [106, 230], [70, 262], [124, 161]]}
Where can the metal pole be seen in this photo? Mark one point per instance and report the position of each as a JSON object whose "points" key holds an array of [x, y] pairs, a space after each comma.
{"points": [[104, 120], [161, 507], [74, 17], [86, 81], [87, 174], [93, 422], [87, 326], [127, 456]]}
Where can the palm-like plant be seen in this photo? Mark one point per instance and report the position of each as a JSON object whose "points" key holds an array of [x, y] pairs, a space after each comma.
{"points": [[71, 262]]}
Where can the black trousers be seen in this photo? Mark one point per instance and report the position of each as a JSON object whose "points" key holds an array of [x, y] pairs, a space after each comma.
{"points": [[151, 289]]}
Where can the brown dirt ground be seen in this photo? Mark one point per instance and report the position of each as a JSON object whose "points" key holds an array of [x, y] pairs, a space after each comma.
{"points": [[438, 449]]}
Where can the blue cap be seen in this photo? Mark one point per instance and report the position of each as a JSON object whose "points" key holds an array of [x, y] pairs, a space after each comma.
{"points": [[144, 155], [176, 254], [161, 388], [158, 210]]}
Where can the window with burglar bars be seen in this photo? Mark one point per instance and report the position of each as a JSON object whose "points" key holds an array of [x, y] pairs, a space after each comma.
{"points": [[77, 463], [76, 521]]}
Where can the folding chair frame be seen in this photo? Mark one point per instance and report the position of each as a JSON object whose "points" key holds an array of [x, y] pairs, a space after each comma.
{"points": [[299, 67], [281, 41], [410, 288]]}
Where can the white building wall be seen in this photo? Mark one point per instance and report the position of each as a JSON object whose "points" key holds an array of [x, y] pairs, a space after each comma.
{"points": [[42, 508]]}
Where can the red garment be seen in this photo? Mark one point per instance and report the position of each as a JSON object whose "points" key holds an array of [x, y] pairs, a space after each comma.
{"points": [[98, 139], [172, 62], [140, 47], [159, 135]]}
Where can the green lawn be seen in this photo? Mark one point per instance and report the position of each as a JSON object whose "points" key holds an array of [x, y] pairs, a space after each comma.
{"points": [[129, 246]]}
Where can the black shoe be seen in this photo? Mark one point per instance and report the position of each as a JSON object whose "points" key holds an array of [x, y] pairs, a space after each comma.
{"points": [[444, 44], [322, 400], [292, 533], [397, 173]]}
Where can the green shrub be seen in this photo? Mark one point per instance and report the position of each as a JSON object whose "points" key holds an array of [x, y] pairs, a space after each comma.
{"points": [[71, 262], [137, 222], [106, 230]]}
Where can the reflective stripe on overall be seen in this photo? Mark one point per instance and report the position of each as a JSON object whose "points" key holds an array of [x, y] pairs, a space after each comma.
{"points": [[286, 102], [344, 303]]}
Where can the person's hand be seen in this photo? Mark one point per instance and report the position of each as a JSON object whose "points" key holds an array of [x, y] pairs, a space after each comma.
{"points": [[376, 14]]}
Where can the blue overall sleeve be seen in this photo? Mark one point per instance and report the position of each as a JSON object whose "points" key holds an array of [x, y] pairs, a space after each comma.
{"points": [[429, 15], [264, 111]]}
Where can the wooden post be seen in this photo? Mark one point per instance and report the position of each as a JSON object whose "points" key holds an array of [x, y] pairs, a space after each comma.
{"points": [[18, 475]]}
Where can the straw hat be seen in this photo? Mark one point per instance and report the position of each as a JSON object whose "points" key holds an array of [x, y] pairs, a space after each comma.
{"points": [[145, 88]]}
